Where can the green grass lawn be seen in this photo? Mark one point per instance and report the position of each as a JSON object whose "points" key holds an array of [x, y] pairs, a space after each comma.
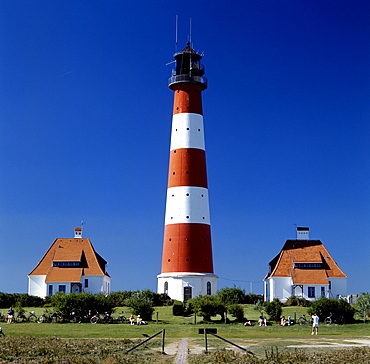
{"points": [[179, 327]]}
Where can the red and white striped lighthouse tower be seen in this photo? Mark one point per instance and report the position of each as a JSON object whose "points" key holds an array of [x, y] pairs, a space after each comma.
{"points": [[187, 262]]}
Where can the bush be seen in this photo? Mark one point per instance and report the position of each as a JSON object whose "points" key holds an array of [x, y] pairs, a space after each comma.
{"points": [[206, 306], [178, 308], [141, 305], [274, 309], [363, 305], [236, 311], [82, 304], [297, 301], [22, 299], [252, 298], [230, 296], [324, 307]]}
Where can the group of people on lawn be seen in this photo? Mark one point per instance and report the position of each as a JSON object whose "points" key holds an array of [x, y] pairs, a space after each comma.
{"points": [[287, 322], [137, 321]]}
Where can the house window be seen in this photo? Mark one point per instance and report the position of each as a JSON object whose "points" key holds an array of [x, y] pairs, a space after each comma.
{"points": [[322, 291], [166, 287], [187, 294], [62, 288], [86, 283], [329, 285], [50, 289], [208, 288], [311, 292]]}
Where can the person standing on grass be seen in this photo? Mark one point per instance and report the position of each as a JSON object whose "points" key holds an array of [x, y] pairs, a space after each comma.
{"points": [[315, 324]]}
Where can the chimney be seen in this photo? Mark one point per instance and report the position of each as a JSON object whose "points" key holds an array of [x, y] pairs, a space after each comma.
{"points": [[303, 233], [78, 232]]}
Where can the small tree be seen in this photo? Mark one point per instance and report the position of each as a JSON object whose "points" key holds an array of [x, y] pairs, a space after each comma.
{"points": [[206, 306], [178, 308], [230, 296], [236, 311], [141, 305], [363, 305], [274, 309]]}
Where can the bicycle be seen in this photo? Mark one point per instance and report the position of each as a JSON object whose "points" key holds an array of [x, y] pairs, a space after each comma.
{"points": [[32, 317], [339, 320], [122, 319], [106, 319], [21, 317], [302, 320], [49, 317]]}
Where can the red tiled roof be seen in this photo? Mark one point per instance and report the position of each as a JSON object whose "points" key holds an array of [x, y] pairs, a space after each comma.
{"points": [[56, 274], [305, 251], [77, 249]]}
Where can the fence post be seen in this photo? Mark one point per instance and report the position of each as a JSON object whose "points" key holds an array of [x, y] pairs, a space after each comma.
{"points": [[205, 341], [156, 318], [195, 318], [163, 334]]}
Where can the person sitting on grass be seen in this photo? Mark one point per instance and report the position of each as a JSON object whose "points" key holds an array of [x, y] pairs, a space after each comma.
{"points": [[262, 321], [248, 323], [132, 320], [282, 321]]}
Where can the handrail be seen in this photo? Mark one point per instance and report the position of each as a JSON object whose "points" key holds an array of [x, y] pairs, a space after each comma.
{"points": [[149, 338], [229, 342]]}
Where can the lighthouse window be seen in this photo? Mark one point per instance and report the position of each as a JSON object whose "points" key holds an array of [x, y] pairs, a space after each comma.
{"points": [[187, 128], [208, 288], [173, 173], [198, 129], [169, 260], [187, 259], [187, 172], [166, 287], [187, 217], [170, 239], [187, 194]]}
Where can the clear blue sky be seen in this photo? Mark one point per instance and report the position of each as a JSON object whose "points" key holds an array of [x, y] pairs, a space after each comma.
{"points": [[85, 118]]}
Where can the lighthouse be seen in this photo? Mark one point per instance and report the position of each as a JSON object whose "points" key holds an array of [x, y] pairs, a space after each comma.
{"points": [[187, 261]]}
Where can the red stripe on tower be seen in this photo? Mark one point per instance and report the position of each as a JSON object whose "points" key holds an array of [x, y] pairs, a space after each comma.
{"points": [[187, 262]]}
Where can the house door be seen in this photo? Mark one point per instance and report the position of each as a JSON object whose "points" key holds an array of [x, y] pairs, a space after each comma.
{"points": [[76, 288], [187, 293]]}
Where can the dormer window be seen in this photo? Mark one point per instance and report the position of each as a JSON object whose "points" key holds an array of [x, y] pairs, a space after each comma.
{"points": [[307, 265], [66, 264]]}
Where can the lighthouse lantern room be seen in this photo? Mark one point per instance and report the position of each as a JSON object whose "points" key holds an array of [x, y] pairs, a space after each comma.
{"points": [[187, 261]]}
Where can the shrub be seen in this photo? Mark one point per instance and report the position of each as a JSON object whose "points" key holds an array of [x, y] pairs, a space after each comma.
{"points": [[206, 306], [141, 305], [324, 307], [363, 305], [274, 309], [236, 311], [178, 308], [229, 296], [297, 301], [252, 298]]}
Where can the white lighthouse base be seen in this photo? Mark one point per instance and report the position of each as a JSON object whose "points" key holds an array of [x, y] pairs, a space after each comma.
{"points": [[181, 286]]}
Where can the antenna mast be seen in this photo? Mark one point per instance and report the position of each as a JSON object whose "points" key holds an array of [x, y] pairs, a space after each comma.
{"points": [[190, 35], [177, 26]]}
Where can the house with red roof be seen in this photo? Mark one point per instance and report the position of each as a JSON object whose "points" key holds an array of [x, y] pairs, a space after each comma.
{"points": [[304, 268], [69, 265]]}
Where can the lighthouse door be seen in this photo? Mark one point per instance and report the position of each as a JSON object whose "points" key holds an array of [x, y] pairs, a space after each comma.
{"points": [[187, 293]]}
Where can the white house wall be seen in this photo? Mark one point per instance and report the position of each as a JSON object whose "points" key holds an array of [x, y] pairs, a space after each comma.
{"points": [[176, 284], [338, 287], [97, 284], [37, 286], [281, 288]]}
